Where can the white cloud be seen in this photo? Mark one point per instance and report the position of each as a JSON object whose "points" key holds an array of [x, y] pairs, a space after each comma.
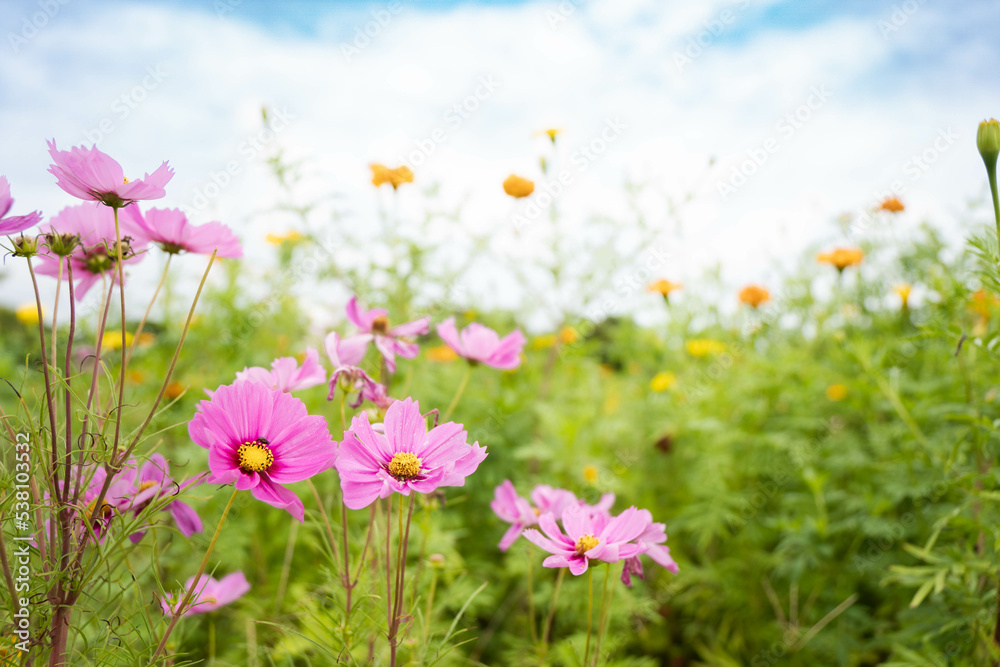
{"points": [[607, 60]]}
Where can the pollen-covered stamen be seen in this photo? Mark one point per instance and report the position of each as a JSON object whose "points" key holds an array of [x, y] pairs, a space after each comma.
{"points": [[146, 485], [124, 180], [586, 543], [380, 325], [255, 456], [404, 465]]}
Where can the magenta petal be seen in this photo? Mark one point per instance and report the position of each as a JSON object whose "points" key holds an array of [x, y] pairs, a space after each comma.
{"points": [[188, 521], [280, 497]]}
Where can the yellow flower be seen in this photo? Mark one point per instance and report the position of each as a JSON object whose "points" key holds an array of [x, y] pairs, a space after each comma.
{"points": [[288, 237], [663, 381], [841, 257], [28, 314], [442, 354], [892, 204], [754, 295], [903, 290], [382, 174], [136, 376], [551, 133], [544, 341], [112, 340], [663, 286], [518, 187], [836, 392], [703, 347], [590, 473], [568, 336], [146, 339]]}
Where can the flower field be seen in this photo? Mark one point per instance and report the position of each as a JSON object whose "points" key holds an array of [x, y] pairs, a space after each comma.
{"points": [[802, 474]]}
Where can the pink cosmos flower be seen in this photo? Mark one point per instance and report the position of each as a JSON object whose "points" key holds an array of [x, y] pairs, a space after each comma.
{"points": [[95, 257], [345, 355], [587, 538], [154, 483], [518, 512], [480, 344], [406, 457], [374, 325], [94, 176], [651, 542], [169, 228], [15, 223], [209, 595], [513, 509], [261, 438], [285, 373]]}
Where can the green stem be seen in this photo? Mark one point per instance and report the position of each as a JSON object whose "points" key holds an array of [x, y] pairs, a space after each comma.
{"points": [[590, 612], [182, 607], [992, 173], [458, 393], [531, 595], [605, 608], [552, 611]]}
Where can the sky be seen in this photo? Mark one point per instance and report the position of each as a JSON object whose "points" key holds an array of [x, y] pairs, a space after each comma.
{"points": [[767, 119]]}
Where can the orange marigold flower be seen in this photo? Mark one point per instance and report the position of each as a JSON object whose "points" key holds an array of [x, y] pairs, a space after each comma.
{"points": [[395, 177], [568, 336], [174, 390], [754, 295], [841, 257], [892, 204], [518, 187], [663, 286], [983, 302]]}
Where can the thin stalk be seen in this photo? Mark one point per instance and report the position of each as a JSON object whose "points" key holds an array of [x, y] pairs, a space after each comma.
{"points": [[48, 379], [346, 577], [552, 609], [992, 173], [55, 311], [531, 594], [590, 612], [400, 578], [458, 393], [120, 262], [427, 612], [605, 608], [149, 309], [326, 520], [286, 566], [182, 607], [68, 367]]}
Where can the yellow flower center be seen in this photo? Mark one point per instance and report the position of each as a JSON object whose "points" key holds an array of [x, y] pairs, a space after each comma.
{"points": [[125, 179], [380, 324], [255, 456], [146, 485], [586, 543], [106, 511], [404, 465]]}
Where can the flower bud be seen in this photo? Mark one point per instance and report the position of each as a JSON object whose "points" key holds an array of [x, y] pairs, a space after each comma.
{"points": [[25, 246], [62, 245], [988, 141]]}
